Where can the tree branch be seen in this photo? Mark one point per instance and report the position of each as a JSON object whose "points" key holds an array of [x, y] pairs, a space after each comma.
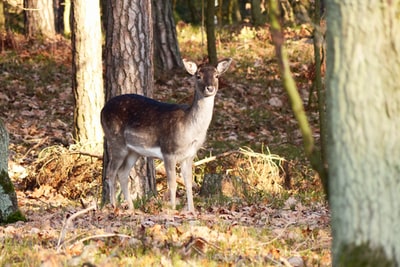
{"points": [[295, 100]]}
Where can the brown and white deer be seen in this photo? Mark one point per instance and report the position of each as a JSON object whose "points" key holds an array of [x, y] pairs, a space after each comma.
{"points": [[136, 126]]}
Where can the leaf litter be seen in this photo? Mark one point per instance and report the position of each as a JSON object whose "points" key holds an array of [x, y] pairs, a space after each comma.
{"points": [[57, 186]]}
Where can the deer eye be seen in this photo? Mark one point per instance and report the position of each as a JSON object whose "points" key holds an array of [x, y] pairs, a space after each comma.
{"points": [[198, 76]]}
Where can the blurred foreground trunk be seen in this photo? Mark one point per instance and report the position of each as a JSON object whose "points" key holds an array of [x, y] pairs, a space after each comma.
{"points": [[9, 211]]}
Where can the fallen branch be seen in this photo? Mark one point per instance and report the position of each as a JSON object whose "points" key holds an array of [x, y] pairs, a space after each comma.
{"points": [[212, 158], [68, 222], [103, 236], [280, 234]]}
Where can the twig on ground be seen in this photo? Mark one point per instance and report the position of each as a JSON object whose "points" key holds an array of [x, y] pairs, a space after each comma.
{"points": [[212, 158], [68, 222], [38, 144], [88, 154], [103, 236], [280, 234]]}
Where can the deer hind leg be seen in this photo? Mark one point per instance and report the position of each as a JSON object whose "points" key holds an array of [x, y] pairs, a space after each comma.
{"points": [[170, 164], [186, 170], [115, 162], [123, 176]]}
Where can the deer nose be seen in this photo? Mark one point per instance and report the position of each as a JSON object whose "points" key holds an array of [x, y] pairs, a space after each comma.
{"points": [[210, 90]]}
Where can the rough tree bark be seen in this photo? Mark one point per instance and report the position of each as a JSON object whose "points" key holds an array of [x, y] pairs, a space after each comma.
{"points": [[39, 18], [363, 105], [166, 49], [129, 69], [87, 82]]}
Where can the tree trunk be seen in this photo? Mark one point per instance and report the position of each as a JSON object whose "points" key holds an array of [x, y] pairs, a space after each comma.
{"points": [[193, 11], [39, 18], [210, 30], [66, 18], [2, 18], [256, 15], [87, 80], [363, 105], [129, 69], [287, 12], [219, 13], [234, 12], [9, 211], [166, 49]]}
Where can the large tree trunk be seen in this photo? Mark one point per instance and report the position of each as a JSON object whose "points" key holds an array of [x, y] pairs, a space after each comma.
{"points": [[166, 49], [88, 74], [364, 142], [39, 18], [9, 211], [129, 69]]}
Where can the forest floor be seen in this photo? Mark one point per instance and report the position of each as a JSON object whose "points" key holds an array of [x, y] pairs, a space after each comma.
{"points": [[275, 216]]}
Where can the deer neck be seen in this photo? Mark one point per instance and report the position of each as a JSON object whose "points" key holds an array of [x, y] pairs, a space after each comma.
{"points": [[201, 111]]}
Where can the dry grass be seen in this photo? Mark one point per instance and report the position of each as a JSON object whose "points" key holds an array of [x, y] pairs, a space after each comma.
{"points": [[262, 170], [71, 173]]}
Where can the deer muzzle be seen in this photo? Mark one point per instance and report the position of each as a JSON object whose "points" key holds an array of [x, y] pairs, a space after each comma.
{"points": [[210, 90]]}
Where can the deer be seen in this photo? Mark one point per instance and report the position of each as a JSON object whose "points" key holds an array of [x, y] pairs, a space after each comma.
{"points": [[135, 126]]}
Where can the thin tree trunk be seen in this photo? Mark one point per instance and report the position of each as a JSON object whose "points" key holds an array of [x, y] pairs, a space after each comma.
{"points": [[193, 11], [88, 74], [2, 18], [219, 13], [234, 12], [66, 17], [318, 40], [210, 30], [256, 13], [295, 100]]}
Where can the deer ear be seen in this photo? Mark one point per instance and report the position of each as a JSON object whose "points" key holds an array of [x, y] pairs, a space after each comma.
{"points": [[223, 65], [190, 66]]}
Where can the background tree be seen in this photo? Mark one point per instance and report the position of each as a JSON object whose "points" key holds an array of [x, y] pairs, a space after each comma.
{"points": [[312, 151], [194, 14], [234, 14], [129, 69], [9, 211], [87, 83], [39, 18], [66, 17], [166, 49], [256, 15], [63, 16], [210, 30], [2, 18], [363, 100]]}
